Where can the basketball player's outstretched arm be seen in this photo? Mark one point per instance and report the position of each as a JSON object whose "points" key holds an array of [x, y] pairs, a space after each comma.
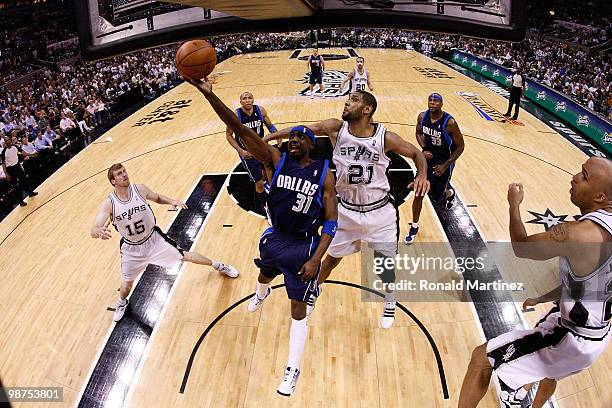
{"points": [[149, 194], [268, 155], [100, 227], [348, 78], [229, 136], [330, 208], [453, 129], [577, 241], [396, 144], [328, 127]]}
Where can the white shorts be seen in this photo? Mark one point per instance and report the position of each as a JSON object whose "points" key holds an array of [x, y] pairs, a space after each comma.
{"points": [[157, 250], [379, 228], [549, 350]]}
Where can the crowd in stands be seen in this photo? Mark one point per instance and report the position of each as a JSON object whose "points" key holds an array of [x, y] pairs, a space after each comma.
{"points": [[58, 112], [585, 78], [65, 106]]}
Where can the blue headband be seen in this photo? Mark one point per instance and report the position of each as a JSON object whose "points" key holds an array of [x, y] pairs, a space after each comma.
{"points": [[436, 96], [304, 130]]}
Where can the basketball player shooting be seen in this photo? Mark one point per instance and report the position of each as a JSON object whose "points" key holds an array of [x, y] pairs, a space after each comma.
{"points": [[367, 212], [301, 199], [576, 331], [142, 241]]}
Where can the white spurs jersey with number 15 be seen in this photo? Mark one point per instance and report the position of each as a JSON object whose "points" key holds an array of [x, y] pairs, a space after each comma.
{"points": [[361, 166], [134, 218]]}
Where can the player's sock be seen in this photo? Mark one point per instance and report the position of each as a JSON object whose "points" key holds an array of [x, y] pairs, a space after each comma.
{"points": [[390, 297], [388, 316], [261, 289], [297, 338], [415, 224], [216, 265]]}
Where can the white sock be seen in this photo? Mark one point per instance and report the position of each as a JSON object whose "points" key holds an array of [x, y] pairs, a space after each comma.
{"points": [[389, 296], [261, 289], [415, 224], [122, 302], [297, 338], [216, 265]]}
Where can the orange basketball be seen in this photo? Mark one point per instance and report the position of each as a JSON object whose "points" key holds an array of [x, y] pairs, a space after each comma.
{"points": [[195, 59]]}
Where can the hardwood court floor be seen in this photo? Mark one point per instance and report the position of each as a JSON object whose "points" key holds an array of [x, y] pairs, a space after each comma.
{"points": [[57, 282]]}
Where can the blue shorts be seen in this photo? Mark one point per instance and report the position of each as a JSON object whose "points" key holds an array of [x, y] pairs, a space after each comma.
{"points": [[316, 78], [286, 254], [253, 167]]}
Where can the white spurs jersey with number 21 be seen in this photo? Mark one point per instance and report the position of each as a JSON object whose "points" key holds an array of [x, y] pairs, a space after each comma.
{"points": [[134, 218], [361, 166]]}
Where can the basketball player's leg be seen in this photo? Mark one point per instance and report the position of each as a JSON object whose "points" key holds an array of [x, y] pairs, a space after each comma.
{"points": [[269, 249], [417, 206], [297, 291], [346, 242], [477, 377], [125, 289], [132, 265], [545, 390], [382, 234], [327, 266], [167, 253], [311, 84], [198, 258]]}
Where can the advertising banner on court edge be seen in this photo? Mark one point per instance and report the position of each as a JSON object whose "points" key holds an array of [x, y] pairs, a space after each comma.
{"points": [[578, 117]]}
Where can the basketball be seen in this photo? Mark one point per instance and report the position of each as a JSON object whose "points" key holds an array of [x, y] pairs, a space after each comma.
{"points": [[195, 59]]}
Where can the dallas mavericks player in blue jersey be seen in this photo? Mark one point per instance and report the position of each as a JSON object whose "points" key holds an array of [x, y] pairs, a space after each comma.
{"points": [[301, 199], [442, 142], [254, 117], [316, 66]]}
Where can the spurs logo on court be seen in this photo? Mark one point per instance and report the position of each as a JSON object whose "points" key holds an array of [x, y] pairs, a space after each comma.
{"points": [[485, 110], [474, 63], [465, 59], [484, 68], [496, 73], [167, 111], [509, 78], [561, 106], [509, 352], [582, 120], [547, 219], [331, 83], [607, 138], [541, 95]]}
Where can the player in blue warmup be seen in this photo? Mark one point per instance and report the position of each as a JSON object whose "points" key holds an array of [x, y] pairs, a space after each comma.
{"points": [[439, 136], [254, 117], [300, 200], [316, 67]]}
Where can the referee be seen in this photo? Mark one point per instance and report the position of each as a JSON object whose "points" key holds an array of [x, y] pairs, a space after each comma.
{"points": [[14, 173], [516, 90]]}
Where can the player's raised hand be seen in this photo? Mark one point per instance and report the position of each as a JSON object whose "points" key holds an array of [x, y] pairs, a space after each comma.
{"points": [[515, 194], [203, 85]]}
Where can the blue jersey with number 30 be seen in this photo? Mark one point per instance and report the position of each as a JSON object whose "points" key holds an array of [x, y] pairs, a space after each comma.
{"points": [[295, 196]]}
